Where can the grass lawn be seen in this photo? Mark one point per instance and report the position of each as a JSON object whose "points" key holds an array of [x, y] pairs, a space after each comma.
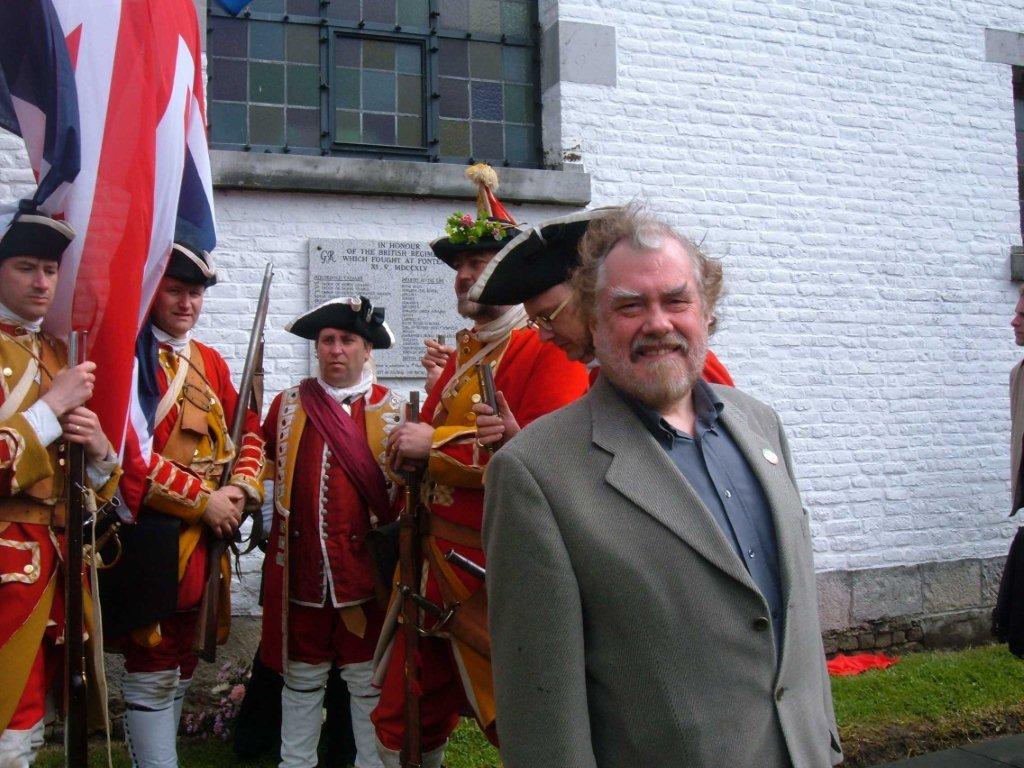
{"points": [[929, 701]]}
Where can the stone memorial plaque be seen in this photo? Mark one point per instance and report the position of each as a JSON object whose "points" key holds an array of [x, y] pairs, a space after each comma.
{"points": [[414, 286]]}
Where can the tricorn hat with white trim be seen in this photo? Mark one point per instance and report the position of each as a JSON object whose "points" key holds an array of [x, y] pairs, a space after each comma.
{"points": [[33, 234], [357, 315], [538, 259], [191, 265]]}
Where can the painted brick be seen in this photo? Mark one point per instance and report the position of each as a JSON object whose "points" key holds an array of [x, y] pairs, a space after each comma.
{"points": [[853, 165]]}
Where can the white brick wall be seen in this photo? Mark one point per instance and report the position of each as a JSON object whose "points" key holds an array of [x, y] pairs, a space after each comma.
{"points": [[853, 164]]}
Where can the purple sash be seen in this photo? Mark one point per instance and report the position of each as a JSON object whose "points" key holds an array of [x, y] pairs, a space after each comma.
{"points": [[346, 441]]}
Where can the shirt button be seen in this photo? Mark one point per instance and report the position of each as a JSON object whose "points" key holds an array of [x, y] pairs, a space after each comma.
{"points": [[728, 494], [761, 623], [750, 553]]}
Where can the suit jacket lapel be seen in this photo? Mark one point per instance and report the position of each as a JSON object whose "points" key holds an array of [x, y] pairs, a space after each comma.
{"points": [[642, 472], [777, 486]]}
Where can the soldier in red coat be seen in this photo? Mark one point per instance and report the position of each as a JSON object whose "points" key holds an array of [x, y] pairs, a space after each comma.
{"points": [[535, 378], [41, 407], [535, 269], [152, 597], [327, 438]]}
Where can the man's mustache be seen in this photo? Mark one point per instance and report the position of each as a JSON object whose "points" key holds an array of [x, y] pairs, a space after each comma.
{"points": [[649, 342]]}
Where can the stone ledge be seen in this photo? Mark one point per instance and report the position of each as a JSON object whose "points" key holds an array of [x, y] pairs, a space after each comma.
{"points": [[1004, 46], [850, 598], [1016, 263], [393, 178], [929, 605]]}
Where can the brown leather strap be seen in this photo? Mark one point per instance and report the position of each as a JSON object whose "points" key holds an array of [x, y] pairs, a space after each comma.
{"points": [[462, 535], [24, 510], [193, 407]]}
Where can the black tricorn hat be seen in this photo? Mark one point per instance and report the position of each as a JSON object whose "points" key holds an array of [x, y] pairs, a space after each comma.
{"points": [[36, 235], [357, 315], [540, 258], [191, 265]]}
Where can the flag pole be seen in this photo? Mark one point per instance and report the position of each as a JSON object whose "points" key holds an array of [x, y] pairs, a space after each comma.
{"points": [[76, 747]]}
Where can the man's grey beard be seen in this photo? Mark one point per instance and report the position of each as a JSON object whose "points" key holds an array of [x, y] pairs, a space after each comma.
{"points": [[667, 381], [478, 313]]}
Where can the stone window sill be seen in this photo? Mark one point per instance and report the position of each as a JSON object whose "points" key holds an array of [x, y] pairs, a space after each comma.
{"points": [[399, 178]]}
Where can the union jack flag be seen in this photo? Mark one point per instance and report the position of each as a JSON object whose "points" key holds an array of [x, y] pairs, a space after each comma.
{"points": [[38, 101], [145, 176]]}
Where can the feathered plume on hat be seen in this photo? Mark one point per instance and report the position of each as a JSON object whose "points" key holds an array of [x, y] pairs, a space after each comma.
{"points": [[493, 227]]}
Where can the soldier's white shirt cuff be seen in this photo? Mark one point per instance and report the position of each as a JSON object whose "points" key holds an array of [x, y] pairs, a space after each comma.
{"points": [[43, 421], [99, 472]]}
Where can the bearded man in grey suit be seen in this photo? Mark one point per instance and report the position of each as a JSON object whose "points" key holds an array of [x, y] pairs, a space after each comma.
{"points": [[652, 594]]}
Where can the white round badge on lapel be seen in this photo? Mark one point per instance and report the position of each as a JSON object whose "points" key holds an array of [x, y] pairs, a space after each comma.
{"points": [[770, 455]]}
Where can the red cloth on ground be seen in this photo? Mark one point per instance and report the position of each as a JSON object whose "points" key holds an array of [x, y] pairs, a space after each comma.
{"points": [[844, 664]]}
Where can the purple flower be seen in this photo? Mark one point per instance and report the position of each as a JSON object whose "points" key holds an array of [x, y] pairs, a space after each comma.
{"points": [[466, 220]]}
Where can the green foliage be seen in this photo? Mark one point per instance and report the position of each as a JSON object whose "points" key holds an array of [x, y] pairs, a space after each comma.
{"points": [[463, 229]]}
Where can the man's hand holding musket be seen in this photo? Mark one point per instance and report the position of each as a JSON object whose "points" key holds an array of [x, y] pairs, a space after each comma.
{"points": [[152, 596], [42, 409]]}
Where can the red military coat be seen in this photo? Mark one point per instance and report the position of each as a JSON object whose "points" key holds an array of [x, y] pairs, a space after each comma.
{"points": [[31, 582], [535, 378], [316, 554], [181, 488]]}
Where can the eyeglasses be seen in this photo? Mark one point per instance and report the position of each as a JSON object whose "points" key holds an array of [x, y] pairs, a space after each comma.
{"points": [[545, 322]]}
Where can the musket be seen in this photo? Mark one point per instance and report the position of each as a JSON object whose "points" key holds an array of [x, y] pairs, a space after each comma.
{"points": [[467, 565], [488, 393], [410, 568], [76, 747], [206, 629]]}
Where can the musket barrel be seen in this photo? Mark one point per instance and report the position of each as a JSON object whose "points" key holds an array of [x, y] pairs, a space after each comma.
{"points": [[205, 643], [410, 567]]}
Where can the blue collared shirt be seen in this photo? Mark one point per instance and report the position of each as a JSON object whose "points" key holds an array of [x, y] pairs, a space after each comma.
{"points": [[719, 473]]}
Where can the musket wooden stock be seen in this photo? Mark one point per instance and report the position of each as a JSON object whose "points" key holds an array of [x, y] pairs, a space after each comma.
{"points": [[76, 747], [205, 643], [410, 567]]}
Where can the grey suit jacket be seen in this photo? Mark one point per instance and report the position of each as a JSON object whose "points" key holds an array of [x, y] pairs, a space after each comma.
{"points": [[626, 632], [1016, 434]]}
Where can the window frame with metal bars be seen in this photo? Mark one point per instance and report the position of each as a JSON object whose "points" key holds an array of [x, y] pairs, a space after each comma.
{"points": [[430, 40]]}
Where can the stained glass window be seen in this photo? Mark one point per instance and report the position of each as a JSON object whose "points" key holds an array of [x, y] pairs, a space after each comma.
{"points": [[439, 80]]}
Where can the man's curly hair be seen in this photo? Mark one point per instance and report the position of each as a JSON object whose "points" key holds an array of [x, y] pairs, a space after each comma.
{"points": [[644, 231]]}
